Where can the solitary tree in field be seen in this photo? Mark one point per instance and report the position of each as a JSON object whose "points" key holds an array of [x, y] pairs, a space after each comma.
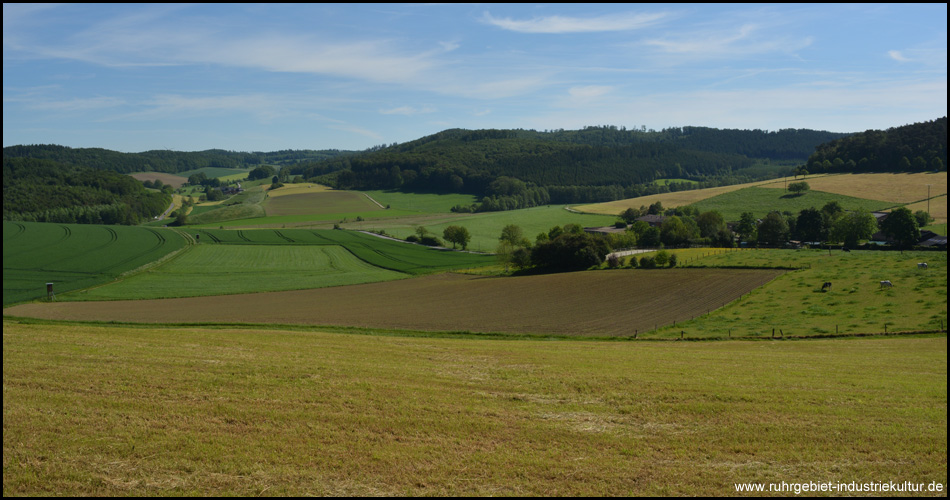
{"points": [[798, 187], [458, 235]]}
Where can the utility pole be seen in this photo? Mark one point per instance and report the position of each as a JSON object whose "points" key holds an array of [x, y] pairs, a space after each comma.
{"points": [[928, 199]]}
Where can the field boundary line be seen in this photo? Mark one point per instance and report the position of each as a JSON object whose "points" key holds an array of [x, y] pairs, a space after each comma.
{"points": [[460, 334], [378, 204], [189, 244]]}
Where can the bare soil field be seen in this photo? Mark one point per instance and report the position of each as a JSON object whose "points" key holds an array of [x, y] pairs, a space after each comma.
{"points": [[176, 181], [318, 201], [591, 303]]}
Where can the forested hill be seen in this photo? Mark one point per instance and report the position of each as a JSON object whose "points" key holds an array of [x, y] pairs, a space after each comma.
{"points": [[470, 160], [171, 162], [911, 148], [48, 191]]}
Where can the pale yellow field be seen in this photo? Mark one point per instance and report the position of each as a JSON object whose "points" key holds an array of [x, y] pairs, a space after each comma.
{"points": [[289, 189], [669, 200], [896, 188], [937, 208]]}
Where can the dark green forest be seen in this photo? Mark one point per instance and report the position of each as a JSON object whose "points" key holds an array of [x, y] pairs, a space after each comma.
{"points": [[912, 148], [50, 191], [171, 162], [578, 166]]}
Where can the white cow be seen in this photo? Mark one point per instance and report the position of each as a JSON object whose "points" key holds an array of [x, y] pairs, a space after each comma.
{"points": [[921, 265], [886, 284]]}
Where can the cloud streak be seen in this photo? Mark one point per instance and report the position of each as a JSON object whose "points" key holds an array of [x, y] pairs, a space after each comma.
{"points": [[561, 24]]}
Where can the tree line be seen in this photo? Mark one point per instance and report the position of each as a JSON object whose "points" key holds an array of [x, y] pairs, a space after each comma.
{"points": [[918, 147], [49, 191], [166, 161], [590, 165]]}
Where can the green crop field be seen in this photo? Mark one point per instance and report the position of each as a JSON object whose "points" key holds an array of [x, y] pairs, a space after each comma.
{"points": [[74, 256], [421, 202], [119, 411], [230, 269], [760, 201]]}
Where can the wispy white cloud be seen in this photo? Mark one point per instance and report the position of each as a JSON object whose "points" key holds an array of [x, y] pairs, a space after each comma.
{"points": [[897, 56], [589, 91], [358, 131], [562, 24], [748, 39], [877, 104], [408, 110], [78, 104]]}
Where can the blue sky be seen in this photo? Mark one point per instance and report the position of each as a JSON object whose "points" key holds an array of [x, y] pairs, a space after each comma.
{"points": [[252, 77]]}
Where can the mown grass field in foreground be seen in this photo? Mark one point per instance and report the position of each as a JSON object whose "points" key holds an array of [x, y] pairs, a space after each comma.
{"points": [[96, 410]]}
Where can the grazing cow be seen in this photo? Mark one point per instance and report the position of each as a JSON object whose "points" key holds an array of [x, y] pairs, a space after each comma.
{"points": [[847, 249], [921, 265], [886, 284], [826, 286]]}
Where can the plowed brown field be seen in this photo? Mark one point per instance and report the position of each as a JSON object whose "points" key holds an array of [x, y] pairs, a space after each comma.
{"points": [[594, 303]]}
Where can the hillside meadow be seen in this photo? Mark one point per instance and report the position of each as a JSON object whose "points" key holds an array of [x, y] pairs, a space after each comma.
{"points": [[865, 191], [97, 410]]}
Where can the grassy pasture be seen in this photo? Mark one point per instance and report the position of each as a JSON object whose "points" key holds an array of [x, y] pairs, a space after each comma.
{"points": [[486, 227], [230, 269], [762, 200], [245, 205], [794, 304], [617, 303], [104, 411], [75, 256], [422, 202], [669, 200]]}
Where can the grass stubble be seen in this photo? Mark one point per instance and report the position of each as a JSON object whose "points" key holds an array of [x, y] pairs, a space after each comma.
{"points": [[110, 410]]}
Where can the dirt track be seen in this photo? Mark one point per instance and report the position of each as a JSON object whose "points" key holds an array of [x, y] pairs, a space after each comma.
{"points": [[615, 303]]}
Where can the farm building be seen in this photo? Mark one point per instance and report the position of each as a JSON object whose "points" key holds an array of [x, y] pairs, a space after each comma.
{"points": [[653, 220], [605, 230]]}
